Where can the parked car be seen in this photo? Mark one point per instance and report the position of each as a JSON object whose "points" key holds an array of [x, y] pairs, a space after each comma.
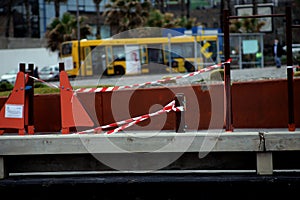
{"points": [[295, 49], [296, 53], [49, 73], [10, 76]]}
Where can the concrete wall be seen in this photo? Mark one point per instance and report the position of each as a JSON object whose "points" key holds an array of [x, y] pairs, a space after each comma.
{"points": [[10, 58]]}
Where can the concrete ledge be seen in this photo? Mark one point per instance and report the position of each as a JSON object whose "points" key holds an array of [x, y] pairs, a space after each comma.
{"points": [[246, 150], [149, 142]]}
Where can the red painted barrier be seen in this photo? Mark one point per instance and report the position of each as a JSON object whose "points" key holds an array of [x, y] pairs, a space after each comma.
{"points": [[255, 104], [72, 112], [12, 114]]}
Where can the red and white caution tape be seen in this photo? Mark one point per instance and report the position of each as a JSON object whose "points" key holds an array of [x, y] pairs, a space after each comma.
{"points": [[297, 67], [46, 83], [107, 89], [121, 125]]}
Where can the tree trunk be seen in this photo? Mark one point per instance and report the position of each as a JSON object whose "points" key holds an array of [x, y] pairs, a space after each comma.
{"points": [[188, 8], [182, 8], [28, 20], [254, 7], [7, 29], [162, 6], [56, 7], [98, 36]]}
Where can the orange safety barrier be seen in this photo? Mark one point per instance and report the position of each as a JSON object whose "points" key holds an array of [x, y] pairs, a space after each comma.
{"points": [[12, 114], [72, 112]]}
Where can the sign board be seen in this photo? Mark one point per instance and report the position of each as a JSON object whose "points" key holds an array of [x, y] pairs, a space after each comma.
{"points": [[13, 111], [262, 9], [133, 63], [68, 63], [250, 46]]}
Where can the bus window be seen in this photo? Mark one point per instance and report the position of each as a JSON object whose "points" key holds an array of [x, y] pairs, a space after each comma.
{"points": [[118, 53], [184, 50], [98, 60], [155, 54], [109, 60], [144, 54], [66, 49], [87, 69]]}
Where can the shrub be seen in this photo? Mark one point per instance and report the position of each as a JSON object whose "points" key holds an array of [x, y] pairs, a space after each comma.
{"points": [[5, 86]]}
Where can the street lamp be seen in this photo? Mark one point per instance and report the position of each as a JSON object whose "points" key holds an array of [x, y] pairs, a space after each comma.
{"points": [[78, 34]]}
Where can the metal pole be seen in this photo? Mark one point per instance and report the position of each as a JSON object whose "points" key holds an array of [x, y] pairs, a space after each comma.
{"points": [[29, 95], [262, 50], [169, 47], [180, 115], [289, 62], [228, 113], [195, 53], [240, 52], [78, 35]]}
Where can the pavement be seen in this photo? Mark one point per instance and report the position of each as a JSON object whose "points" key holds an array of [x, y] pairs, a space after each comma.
{"points": [[237, 75]]}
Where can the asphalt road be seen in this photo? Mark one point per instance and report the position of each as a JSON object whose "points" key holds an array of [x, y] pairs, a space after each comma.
{"points": [[249, 74]]}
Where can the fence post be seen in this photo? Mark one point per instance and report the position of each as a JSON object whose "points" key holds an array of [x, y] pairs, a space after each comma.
{"points": [[290, 73], [227, 73], [29, 98], [180, 115]]}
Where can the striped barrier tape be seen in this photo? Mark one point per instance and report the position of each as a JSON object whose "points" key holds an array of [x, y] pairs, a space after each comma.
{"points": [[114, 88], [121, 125], [42, 81]]}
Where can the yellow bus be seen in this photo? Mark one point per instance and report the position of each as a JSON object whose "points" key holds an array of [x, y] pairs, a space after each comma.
{"points": [[139, 55]]}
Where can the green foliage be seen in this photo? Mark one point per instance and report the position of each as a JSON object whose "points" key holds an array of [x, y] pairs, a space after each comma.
{"points": [[246, 25], [168, 20], [5, 86], [126, 14], [39, 88], [40, 85], [65, 29], [46, 90], [132, 14]]}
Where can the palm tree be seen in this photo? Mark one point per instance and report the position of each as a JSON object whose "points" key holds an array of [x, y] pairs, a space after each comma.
{"points": [[246, 25], [64, 29], [97, 3], [168, 20], [126, 14], [57, 6]]}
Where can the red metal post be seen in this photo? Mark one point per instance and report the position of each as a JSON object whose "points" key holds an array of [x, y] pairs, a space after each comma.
{"points": [[227, 77], [290, 74], [72, 112]]}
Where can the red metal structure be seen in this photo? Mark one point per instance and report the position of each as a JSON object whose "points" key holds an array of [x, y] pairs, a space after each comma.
{"points": [[290, 79]]}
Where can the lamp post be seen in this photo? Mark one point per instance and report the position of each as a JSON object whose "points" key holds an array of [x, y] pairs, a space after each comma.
{"points": [[78, 35]]}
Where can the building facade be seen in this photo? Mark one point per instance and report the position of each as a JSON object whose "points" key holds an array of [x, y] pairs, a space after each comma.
{"points": [[14, 14]]}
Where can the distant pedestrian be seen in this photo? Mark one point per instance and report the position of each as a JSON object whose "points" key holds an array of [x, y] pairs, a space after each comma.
{"points": [[36, 72], [277, 52]]}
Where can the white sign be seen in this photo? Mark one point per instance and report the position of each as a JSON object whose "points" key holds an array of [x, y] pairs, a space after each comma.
{"points": [[68, 62], [133, 63], [13, 111], [250, 46]]}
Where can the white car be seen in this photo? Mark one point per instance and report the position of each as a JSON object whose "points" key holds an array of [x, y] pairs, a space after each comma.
{"points": [[49, 73], [295, 49], [10, 76]]}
